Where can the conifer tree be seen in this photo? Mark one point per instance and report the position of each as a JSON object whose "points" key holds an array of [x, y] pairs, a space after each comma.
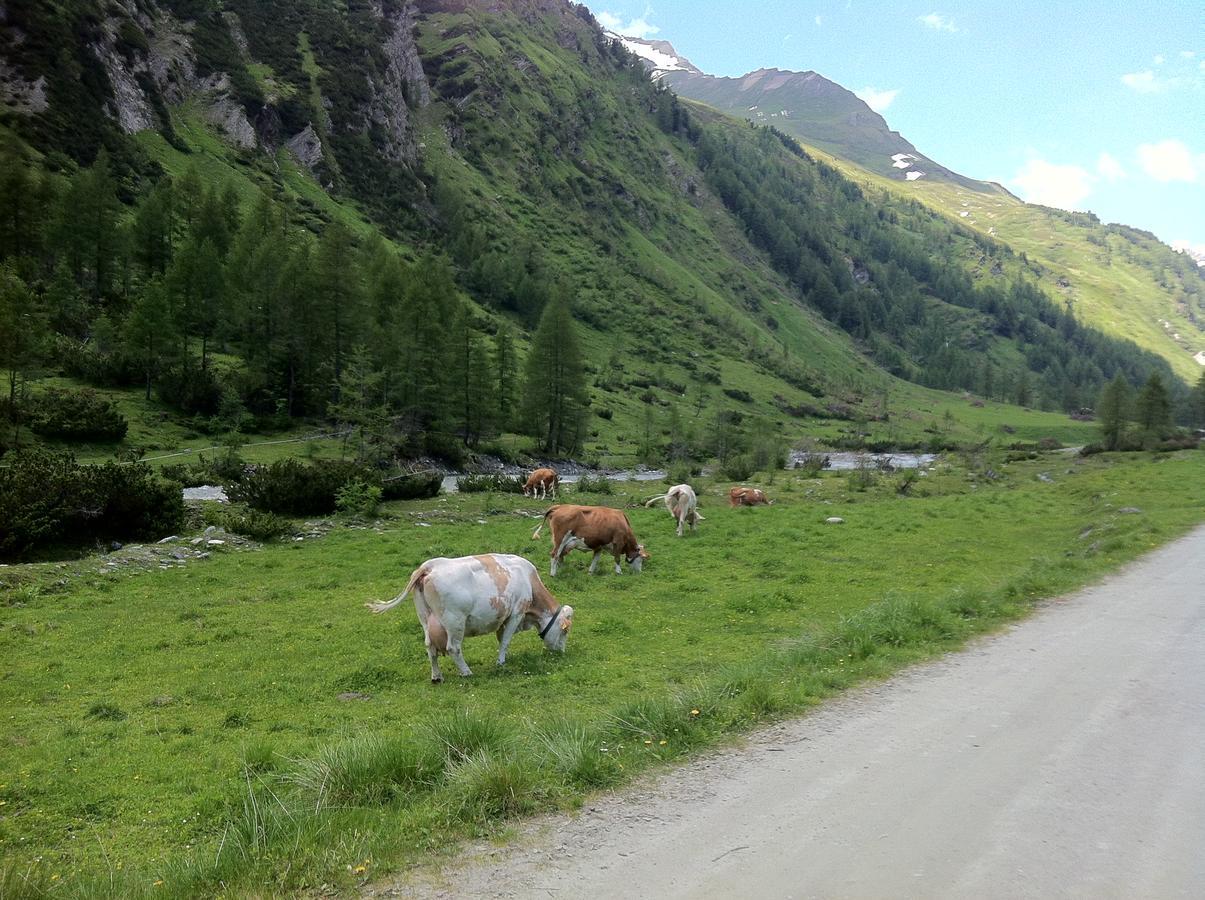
{"points": [[554, 384], [22, 336], [1196, 403], [150, 330], [1113, 412], [1153, 408], [506, 367]]}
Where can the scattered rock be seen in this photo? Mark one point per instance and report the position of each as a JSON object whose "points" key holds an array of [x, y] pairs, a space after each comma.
{"points": [[348, 696], [216, 543], [834, 520], [1045, 476], [1129, 510], [168, 540], [116, 545], [162, 700]]}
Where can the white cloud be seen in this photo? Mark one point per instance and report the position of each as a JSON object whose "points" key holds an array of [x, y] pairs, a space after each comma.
{"points": [[1160, 60], [1053, 185], [1187, 54], [876, 99], [1169, 160], [937, 22], [1109, 168], [637, 28], [1143, 82], [820, 21]]}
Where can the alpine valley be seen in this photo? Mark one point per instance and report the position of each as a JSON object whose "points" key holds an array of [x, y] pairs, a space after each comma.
{"points": [[237, 209]]}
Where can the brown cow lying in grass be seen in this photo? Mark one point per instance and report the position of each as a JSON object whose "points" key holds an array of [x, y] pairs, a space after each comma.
{"points": [[471, 595], [594, 528], [747, 496]]}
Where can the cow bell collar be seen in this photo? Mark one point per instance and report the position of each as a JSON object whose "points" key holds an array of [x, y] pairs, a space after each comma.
{"points": [[555, 613]]}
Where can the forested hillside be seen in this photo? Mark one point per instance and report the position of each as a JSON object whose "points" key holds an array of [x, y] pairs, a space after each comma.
{"points": [[404, 216]]}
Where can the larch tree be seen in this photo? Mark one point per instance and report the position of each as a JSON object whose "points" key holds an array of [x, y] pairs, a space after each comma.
{"points": [[554, 384], [1113, 411]]}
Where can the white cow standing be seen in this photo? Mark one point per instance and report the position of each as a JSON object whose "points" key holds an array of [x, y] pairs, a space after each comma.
{"points": [[682, 504], [472, 595]]}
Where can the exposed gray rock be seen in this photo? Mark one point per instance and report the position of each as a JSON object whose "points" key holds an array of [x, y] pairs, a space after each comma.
{"points": [[402, 85], [834, 520], [226, 113], [306, 146], [1129, 510], [21, 94]]}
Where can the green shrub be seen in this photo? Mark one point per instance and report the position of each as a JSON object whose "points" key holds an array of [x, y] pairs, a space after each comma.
{"points": [[811, 463], [411, 487], [501, 484], [191, 390], [358, 499], [255, 524], [292, 488], [596, 484], [47, 498], [738, 468], [76, 416]]}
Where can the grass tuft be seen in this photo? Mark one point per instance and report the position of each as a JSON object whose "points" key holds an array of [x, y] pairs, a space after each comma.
{"points": [[369, 769], [488, 785]]}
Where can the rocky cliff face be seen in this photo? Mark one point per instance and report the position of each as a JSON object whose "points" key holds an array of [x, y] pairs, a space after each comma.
{"points": [[146, 59]]}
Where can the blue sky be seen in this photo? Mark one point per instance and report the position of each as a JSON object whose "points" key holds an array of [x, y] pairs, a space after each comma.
{"points": [[1082, 105]]}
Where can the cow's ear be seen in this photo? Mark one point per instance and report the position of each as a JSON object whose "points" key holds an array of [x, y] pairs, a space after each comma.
{"points": [[567, 619]]}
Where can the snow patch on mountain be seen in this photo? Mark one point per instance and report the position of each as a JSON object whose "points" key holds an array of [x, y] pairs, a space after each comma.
{"points": [[902, 160], [913, 175], [660, 59]]}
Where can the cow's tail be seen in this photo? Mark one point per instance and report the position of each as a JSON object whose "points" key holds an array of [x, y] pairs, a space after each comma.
{"points": [[650, 502], [544, 521], [410, 585]]}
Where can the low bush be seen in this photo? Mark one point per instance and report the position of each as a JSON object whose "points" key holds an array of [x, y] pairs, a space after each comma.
{"points": [[411, 487], [357, 498], [47, 498], [292, 488], [255, 524], [501, 484], [596, 484], [811, 463], [738, 468], [76, 416]]}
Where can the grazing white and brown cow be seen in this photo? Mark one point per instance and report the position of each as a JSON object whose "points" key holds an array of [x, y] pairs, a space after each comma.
{"points": [[682, 504], [542, 482], [747, 496], [594, 528], [471, 595]]}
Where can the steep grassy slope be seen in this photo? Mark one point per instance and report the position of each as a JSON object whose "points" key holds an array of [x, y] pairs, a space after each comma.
{"points": [[1123, 281], [1118, 279], [714, 269]]}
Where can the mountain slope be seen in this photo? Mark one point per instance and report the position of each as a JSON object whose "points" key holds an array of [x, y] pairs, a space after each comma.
{"points": [[1119, 279], [514, 155]]}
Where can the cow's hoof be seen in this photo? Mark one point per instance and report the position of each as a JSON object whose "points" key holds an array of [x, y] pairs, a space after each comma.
{"points": [[437, 681]]}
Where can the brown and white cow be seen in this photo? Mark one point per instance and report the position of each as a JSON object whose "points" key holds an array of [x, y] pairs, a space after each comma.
{"points": [[543, 482], [682, 504], [471, 595], [594, 528], [747, 496]]}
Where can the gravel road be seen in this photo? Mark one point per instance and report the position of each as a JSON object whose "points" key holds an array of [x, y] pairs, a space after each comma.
{"points": [[1064, 757]]}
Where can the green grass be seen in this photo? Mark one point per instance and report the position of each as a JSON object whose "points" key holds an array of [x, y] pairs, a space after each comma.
{"points": [[186, 726], [1124, 287]]}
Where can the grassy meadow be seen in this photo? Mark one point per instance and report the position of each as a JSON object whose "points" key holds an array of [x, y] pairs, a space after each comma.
{"points": [[182, 732]]}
